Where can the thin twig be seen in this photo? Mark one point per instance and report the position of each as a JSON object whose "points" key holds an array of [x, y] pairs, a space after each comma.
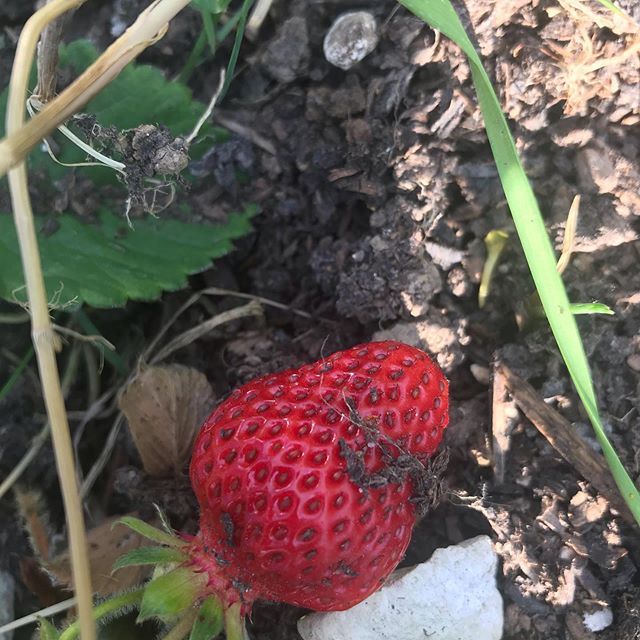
{"points": [[563, 437], [102, 460], [36, 444], [92, 412], [32, 618], [41, 438], [14, 318], [93, 339], [217, 291], [48, 58], [257, 17], [186, 338], [246, 132]]}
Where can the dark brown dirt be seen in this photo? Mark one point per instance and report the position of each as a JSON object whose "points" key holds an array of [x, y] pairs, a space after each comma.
{"points": [[378, 187]]}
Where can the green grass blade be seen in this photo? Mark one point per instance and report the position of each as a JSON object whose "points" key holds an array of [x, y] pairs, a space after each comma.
{"points": [[591, 308], [15, 376], [612, 7], [529, 224], [235, 52], [208, 24]]}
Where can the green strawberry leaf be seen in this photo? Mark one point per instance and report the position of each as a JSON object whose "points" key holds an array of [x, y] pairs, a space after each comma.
{"points": [[171, 593], [108, 263], [149, 532], [209, 622], [149, 555]]}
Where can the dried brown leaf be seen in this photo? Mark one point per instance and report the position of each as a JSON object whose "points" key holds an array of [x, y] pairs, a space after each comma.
{"points": [[35, 518], [165, 407], [106, 544]]}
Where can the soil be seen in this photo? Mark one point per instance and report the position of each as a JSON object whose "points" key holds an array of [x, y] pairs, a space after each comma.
{"points": [[377, 188]]}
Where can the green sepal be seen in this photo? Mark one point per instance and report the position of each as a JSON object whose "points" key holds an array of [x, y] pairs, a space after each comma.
{"points": [[147, 531], [208, 623], [150, 555], [171, 593], [234, 626], [46, 631]]}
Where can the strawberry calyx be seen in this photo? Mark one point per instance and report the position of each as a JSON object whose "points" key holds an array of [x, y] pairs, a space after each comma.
{"points": [[219, 581], [189, 588]]}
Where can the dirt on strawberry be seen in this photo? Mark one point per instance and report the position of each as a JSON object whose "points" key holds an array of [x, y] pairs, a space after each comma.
{"points": [[377, 188]]}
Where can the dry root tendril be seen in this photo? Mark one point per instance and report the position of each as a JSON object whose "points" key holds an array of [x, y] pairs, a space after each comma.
{"points": [[427, 478]]}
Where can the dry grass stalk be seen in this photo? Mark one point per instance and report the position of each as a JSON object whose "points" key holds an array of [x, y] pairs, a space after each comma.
{"points": [[151, 24]]}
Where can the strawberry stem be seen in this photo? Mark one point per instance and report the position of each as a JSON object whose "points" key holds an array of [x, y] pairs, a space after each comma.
{"points": [[183, 626], [116, 606], [234, 623]]}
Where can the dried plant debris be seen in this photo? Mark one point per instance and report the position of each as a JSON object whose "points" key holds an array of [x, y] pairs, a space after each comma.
{"points": [[599, 226], [165, 407], [152, 158], [106, 544]]}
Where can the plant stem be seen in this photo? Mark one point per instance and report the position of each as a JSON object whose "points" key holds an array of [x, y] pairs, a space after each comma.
{"points": [[183, 627], [112, 357], [39, 440], [234, 623], [33, 618], [44, 339], [209, 23], [14, 318], [147, 29], [48, 59], [229, 25], [193, 59], [195, 56], [17, 372], [233, 58], [118, 605]]}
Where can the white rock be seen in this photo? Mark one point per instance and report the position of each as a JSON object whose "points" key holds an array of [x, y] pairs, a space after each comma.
{"points": [[352, 37], [453, 596], [598, 620]]}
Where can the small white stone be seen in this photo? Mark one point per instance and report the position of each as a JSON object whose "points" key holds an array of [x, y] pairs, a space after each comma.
{"points": [[452, 596], [598, 620], [352, 37]]}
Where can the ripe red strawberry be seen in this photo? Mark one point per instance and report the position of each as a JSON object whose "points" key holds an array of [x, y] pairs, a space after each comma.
{"points": [[306, 479]]}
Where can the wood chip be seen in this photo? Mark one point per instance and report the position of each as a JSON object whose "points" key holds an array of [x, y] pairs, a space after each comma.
{"points": [[563, 438], [503, 417]]}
